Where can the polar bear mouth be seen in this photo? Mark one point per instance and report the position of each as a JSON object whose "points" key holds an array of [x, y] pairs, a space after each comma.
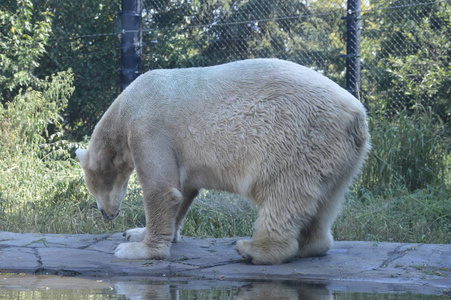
{"points": [[108, 217]]}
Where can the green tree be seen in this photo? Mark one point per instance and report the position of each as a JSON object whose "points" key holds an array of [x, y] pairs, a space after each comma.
{"points": [[207, 32], [84, 39], [29, 105], [25, 32], [407, 54]]}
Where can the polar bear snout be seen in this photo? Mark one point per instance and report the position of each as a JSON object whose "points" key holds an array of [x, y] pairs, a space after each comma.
{"points": [[106, 216]]}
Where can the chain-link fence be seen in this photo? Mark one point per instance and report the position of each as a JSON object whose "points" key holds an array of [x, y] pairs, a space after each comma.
{"points": [[405, 44], [203, 33], [404, 57]]}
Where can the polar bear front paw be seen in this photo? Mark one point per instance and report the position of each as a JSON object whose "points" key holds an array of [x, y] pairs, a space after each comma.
{"points": [[135, 234], [141, 251]]}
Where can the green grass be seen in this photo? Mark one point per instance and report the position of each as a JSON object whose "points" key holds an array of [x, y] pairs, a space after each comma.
{"points": [[220, 214], [402, 194], [423, 216]]}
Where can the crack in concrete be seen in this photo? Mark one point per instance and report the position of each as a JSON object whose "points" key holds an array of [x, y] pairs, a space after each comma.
{"points": [[202, 267], [182, 271], [38, 257], [3, 246], [42, 240], [96, 240], [397, 254]]}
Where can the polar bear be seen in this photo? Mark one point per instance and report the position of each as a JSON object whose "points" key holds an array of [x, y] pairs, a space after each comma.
{"points": [[278, 133]]}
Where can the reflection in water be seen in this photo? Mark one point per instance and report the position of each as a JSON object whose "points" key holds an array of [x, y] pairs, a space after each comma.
{"points": [[143, 290], [59, 287], [21, 286], [201, 290], [284, 290]]}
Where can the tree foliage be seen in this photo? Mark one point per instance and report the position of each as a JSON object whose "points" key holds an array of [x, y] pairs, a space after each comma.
{"points": [[205, 32], [85, 40], [25, 32], [405, 46], [408, 58], [30, 107]]}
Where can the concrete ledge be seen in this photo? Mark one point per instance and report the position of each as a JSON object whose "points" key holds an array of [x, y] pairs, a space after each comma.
{"points": [[356, 266]]}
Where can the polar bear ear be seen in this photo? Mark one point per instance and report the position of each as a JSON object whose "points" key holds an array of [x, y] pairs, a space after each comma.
{"points": [[81, 154]]}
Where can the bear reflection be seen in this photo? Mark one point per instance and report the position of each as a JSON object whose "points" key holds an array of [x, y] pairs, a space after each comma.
{"points": [[283, 290], [224, 290]]}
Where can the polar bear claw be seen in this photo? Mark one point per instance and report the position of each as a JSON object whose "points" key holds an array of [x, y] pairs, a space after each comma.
{"points": [[135, 234]]}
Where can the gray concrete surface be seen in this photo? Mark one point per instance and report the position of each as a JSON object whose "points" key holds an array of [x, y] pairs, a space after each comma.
{"points": [[356, 266]]}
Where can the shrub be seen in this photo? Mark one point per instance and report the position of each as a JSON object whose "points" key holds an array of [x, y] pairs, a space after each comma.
{"points": [[408, 151], [29, 171]]}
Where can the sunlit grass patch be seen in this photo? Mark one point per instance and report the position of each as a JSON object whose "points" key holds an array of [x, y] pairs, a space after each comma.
{"points": [[399, 216], [220, 214]]}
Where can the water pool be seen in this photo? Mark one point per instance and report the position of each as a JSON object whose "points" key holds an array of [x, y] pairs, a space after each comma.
{"points": [[20, 286]]}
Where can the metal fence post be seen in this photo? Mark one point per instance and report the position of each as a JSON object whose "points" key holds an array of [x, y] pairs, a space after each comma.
{"points": [[131, 41], [353, 47]]}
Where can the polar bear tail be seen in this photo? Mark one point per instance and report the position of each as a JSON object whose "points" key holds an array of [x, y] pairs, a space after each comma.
{"points": [[360, 134]]}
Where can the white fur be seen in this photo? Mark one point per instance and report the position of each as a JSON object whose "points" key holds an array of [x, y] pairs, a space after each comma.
{"points": [[140, 251], [278, 133], [135, 235]]}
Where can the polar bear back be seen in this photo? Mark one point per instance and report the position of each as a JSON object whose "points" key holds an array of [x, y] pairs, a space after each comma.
{"points": [[195, 88]]}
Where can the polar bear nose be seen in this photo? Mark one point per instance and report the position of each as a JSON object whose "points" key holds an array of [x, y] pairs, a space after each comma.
{"points": [[108, 217]]}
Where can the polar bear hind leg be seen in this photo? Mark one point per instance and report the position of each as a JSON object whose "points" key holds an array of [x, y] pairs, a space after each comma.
{"points": [[315, 239], [189, 194], [282, 213], [268, 244]]}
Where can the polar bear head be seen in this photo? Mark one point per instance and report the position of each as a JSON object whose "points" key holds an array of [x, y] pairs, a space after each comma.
{"points": [[107, 180]]}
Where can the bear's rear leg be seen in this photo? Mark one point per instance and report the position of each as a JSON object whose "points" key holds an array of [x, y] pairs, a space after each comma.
{"points": [[315, 239], [267, 251], [275, 237]]}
